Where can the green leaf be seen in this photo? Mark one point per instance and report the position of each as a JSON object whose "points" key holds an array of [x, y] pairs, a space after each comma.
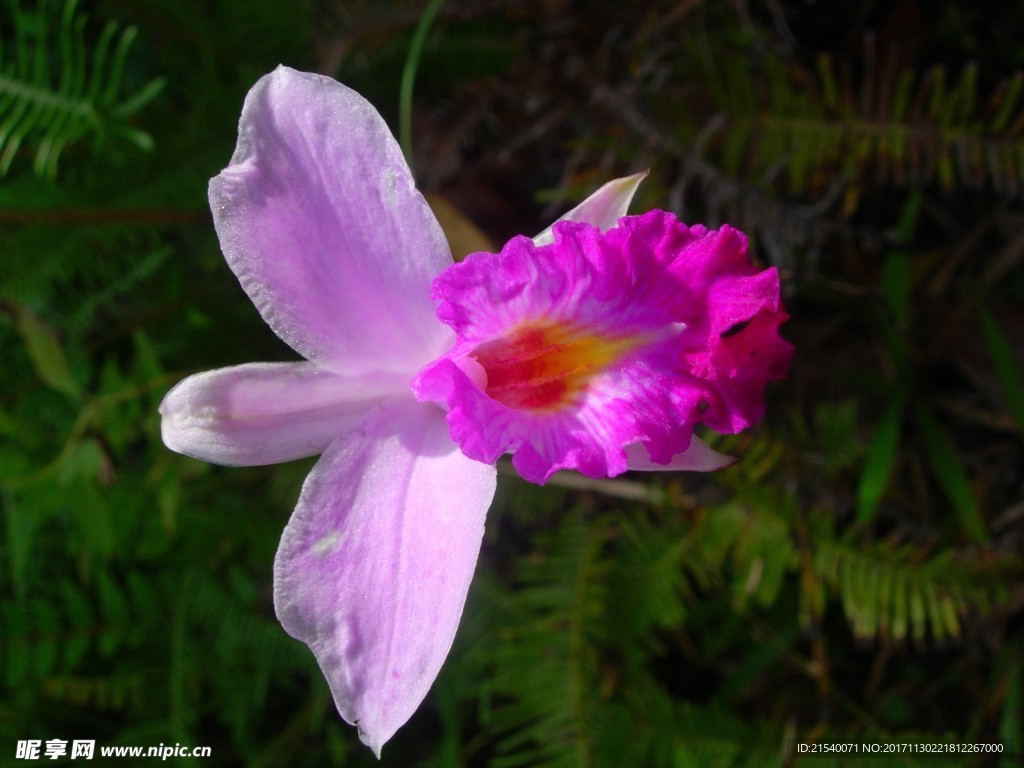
{"points": [[409, 77], [1011, 719], [880, 459], [1009, 96], [21, 526], [827, 80], [951, 477], [1005, 366], [82, 623], [908, 217], [46, 353], [896, 270], [115, 614]]}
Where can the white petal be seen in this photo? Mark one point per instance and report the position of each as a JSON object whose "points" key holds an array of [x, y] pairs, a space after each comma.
{"points": [[375, 563], [603, 208], [265, 413], [698, 457]]}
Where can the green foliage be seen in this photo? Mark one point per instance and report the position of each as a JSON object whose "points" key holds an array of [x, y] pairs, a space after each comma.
{"points": [[854, 578], [951, 476], [620, 611], [879, 460], [887, 592], [799, 129], [1006, 370], [45, 352], [56, 87]]}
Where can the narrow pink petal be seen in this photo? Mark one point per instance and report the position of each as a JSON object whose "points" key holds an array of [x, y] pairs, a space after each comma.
{"points": [[265, 413], [319, 218], [374, 566], [603, 208], [698, 457]]}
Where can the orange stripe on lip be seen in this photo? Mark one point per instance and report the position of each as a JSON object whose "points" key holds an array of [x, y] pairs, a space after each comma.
{"points": [[544, 366]]}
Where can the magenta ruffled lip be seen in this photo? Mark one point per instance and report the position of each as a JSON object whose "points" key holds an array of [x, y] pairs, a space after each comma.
{"points": [[665, 298]]}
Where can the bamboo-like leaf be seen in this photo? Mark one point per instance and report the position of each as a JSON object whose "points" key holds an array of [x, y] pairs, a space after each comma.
{"points": [[886, 609], [46, 353], [965, 95], [827, 83], [896, 286], [951, 477], [918, 615], [900, 615], [901, 100], [1009, 376], [1011, 714], [880, 459], [1006, 99]]}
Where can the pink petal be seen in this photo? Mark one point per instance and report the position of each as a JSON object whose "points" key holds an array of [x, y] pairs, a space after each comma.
{"points": [[319, 218], [265, 413], [603, 208], [743, 349], [374, 566], [698, 457], [569, 352]]}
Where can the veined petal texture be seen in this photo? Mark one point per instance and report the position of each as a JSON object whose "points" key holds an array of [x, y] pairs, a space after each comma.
{"points": [[266, 413], [319, 218], [375, 563]]}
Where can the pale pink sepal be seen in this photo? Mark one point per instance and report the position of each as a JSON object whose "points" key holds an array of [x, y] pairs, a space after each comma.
{"points": [[319, 219], [265, 413], [698, 457], [603, 208], [375, 563]]}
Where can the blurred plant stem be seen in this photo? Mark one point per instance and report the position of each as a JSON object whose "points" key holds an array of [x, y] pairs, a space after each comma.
{"points": [[412, 63]]}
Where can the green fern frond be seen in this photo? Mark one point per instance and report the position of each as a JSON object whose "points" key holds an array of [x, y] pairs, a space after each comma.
{"points": [[52, 635], [649, 584], [56, 87], [889, 594], [58, 238], [111, 694], [100, 261], [710, 737], [663, 731], [545, 659], [786, 125]]}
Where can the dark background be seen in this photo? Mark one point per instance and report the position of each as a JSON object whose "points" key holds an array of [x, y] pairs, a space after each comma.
{"points": [[855, 578]]}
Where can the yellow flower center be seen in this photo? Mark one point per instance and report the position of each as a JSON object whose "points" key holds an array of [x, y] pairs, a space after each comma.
{"points": [[544, 366]]}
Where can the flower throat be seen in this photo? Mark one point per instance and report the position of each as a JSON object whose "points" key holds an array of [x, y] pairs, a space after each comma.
{"points": [[545, 366]]}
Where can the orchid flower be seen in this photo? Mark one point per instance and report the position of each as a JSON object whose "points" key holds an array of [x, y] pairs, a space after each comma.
{"points": [[596, 346]]}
